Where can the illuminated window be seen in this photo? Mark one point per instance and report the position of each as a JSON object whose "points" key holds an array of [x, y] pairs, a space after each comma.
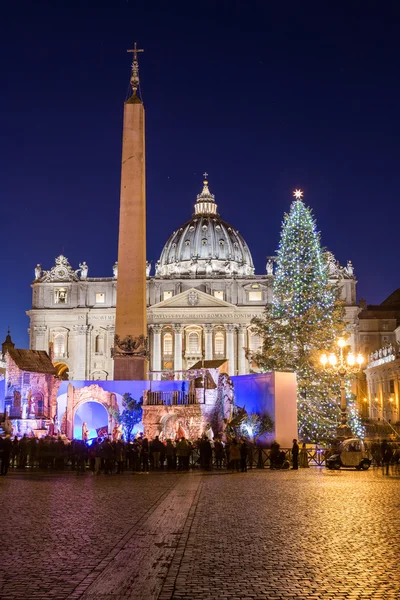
{"points": [[60, 296], [219, 343], [99, 344], [219, 295], [254, 342], [100, 298], [59, 344], [27, 378], [193, 342], [255, 296], [168, 343], [167, 294]]}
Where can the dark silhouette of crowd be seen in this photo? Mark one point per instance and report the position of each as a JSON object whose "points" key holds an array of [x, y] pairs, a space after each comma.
{"points": [[105, 456]]}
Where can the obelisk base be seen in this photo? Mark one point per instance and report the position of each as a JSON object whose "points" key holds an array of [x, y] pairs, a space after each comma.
{"points": [[130, 368]]}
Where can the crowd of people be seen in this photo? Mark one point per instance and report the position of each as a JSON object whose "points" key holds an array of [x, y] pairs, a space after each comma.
{"points": [[103, 455]]}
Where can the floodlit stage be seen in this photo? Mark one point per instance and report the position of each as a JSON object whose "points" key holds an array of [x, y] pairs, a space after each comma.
{"points": [[186, 406]]}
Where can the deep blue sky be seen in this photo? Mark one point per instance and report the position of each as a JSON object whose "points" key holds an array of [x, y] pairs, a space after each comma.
{"points": [[265, 96]]}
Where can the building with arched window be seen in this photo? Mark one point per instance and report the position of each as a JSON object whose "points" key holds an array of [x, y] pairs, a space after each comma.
{"points": [[201, 300]]}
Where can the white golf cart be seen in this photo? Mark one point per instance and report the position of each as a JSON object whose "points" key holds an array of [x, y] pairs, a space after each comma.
{"points": [[352, 454]]}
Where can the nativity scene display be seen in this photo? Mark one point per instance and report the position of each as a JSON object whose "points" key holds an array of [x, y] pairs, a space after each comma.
{"points": [[204, 405]]}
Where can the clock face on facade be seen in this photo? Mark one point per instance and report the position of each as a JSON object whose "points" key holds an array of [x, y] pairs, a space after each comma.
{"points": [[61, 273]]}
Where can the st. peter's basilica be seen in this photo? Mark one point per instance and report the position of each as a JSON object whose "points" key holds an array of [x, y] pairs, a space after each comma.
{"points": [[200, 302]]}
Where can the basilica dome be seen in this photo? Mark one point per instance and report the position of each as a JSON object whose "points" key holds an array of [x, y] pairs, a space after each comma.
{"points": [[205, 246]]}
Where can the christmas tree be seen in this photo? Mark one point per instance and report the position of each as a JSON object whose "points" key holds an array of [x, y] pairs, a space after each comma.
{"points": [[304, 319]]}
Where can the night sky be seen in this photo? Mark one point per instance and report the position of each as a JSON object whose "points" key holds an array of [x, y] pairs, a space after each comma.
{"points": [[265, 98]]}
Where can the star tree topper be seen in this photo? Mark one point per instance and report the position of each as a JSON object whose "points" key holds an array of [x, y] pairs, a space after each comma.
{"points": [[298, 194]]}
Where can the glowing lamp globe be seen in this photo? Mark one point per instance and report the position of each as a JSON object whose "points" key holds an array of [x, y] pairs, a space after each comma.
{"points": [[341, 343], [332, 359], [324, 359], [351, 360], [360, 359]]}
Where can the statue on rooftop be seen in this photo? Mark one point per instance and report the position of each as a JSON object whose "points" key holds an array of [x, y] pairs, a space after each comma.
{"points": [[84, 270]]}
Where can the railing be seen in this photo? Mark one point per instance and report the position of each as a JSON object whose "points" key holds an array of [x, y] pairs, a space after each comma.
{"points": [[174, 398], [259, 458]]}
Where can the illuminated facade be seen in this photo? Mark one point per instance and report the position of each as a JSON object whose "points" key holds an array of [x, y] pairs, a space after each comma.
{"points": [[200, 302], [382, 400]]}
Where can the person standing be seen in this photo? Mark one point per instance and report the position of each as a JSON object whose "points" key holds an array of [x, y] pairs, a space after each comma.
{"points": [[119, 456], [207, 454], [170, 453], [303, 457], [156, 452], [145, 455], [218, 453], [295, 455], [387, 454], [244, 451], [235, 456], [6, 454], [97, 455]]}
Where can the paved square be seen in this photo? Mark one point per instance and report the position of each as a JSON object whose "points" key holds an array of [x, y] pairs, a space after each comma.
{"points": [[312, 534]]}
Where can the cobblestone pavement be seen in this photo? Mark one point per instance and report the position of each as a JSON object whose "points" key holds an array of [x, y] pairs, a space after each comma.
{"points": [[311, 534]]}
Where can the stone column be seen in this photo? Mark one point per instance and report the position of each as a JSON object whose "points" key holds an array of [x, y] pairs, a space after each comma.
{"points": [[230, 348], [242, 344], [156, 350], [208, 331], [177, 349], [108, 348], [79, 366], [396, 397], [39, 339]]}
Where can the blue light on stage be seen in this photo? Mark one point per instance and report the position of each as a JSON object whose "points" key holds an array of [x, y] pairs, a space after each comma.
{"points": [[94, 415]]}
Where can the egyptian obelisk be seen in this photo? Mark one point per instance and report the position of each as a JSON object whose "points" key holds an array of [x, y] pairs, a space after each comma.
{"points": [[130, 344]]}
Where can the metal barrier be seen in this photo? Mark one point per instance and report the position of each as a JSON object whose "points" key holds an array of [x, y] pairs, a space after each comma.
{"points": [[259, 458]]}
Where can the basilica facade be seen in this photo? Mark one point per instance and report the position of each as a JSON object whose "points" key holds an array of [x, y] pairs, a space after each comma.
{"points": [[201, 300]]}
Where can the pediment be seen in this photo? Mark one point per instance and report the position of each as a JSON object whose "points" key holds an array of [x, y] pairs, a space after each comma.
{"points": [[192, 298]]}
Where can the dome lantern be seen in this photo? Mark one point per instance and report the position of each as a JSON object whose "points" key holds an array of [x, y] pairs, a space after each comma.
{"points": [[205, 246], [205, 204]]}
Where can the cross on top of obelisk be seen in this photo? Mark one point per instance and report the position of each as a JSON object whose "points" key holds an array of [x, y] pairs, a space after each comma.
{"points": [[135, 67]]}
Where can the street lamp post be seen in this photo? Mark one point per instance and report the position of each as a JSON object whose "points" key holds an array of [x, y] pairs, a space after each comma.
{"points": [[342, 365]]}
